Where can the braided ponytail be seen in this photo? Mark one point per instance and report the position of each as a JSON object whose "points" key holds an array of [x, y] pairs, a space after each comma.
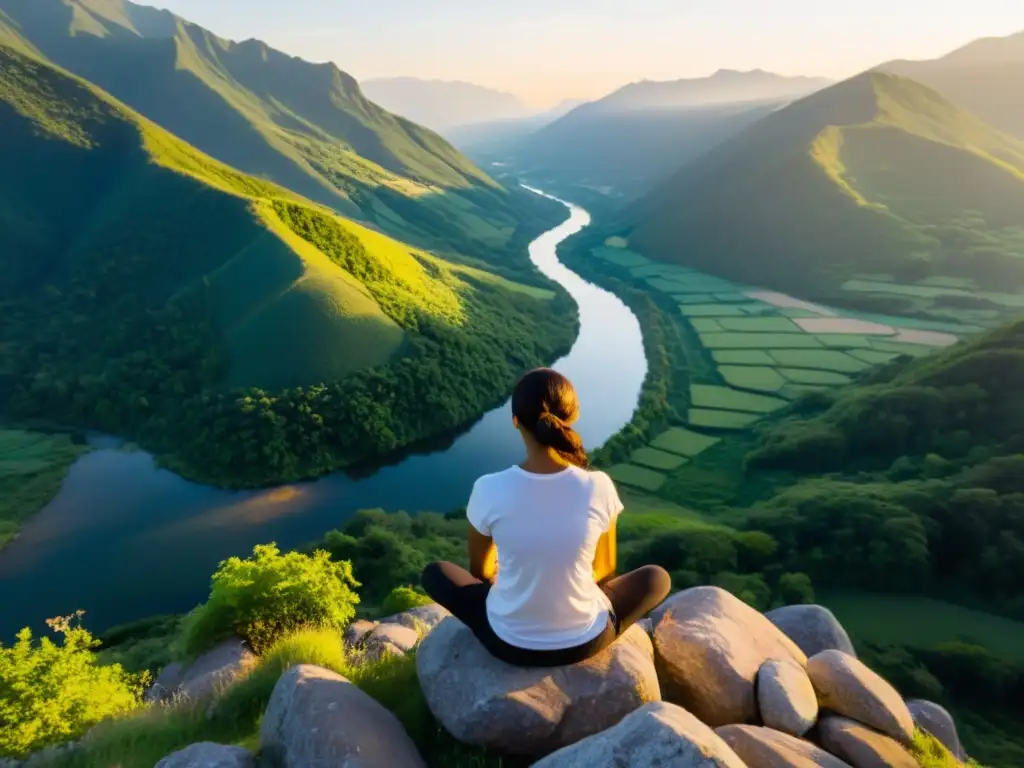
{"points": [[545, 403]]}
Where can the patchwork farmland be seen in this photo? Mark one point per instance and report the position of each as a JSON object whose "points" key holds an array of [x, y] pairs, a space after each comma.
{"points": [[758, 350]]}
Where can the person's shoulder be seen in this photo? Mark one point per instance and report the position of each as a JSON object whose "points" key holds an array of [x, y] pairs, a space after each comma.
{"points": [[494, 478], [598, 478]]}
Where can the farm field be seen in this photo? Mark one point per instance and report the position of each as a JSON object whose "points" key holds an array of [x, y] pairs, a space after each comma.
{"points": [[923, 622], [750, 352]]}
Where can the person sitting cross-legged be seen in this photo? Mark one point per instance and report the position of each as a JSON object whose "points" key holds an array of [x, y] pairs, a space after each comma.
{"points": [[550, 521]]}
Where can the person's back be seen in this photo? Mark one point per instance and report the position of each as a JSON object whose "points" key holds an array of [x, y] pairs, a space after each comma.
{"points": [[554, 599], [546, 529]]}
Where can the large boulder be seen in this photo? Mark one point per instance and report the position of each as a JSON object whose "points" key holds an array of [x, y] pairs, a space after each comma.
{"points": [[861, 746], [531, 711], [767, 748], [812, 627], [214, 671], [423, 618], [318, 718], [657, 734], [786, 698], [709, 647], [390, 639], [167, 683], [847, 687], [935, 719], [209, 755], [356, 632]]}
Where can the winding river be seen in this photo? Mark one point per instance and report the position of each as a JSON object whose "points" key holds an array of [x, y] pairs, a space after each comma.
{"points": [[125, 540]]}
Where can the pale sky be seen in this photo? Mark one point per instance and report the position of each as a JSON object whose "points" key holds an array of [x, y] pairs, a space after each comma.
{"points": [[547, 50]]}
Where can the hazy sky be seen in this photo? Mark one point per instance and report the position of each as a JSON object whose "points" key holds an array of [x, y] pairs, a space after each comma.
{"points": [[546, 50]]}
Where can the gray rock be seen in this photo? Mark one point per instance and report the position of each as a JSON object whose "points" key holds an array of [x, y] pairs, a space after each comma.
{"points": [[709, 647], [213, 672], [57, 754], [786, 698], [356, 632], [209, 755], [767, 748], [847, 687], [167, 683], [423, 619], [659, 735], [935, 719], [403, 638], [812, 627], [486, 702], [318, 719], [861, 746]]}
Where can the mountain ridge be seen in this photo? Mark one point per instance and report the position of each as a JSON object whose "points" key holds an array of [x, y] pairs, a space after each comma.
{"points": [[864, 164], [444, 104]]}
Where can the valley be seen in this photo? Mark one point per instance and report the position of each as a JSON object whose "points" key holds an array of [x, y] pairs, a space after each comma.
{"points": [[247, 298]]}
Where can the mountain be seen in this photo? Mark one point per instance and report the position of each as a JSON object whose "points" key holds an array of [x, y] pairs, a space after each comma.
{"points": [[305, 126], [985, 76], [726, 86], [625, 143], [490, 139], [443, 105], [878, 174], [245, 334]]}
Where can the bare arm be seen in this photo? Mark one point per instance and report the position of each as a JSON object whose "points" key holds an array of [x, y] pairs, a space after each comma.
{"points": [[606, 555], [483, 556]]}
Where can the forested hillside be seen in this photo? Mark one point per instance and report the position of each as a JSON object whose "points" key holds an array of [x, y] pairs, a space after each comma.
{"points": [[877, 175], [245, 334], [623, 144], [985, 77], [305, 126]]}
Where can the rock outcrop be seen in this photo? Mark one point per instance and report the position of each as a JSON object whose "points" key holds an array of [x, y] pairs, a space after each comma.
{"points": [[423, 618], [318, 718], [935, 719], [762, 747], [847, 687], [709, 646], [209, 755], [786, 698], [390, 639], [206, 677], [812, 627], [356, 632], [657, 734], [861, 746], [486, 702]]}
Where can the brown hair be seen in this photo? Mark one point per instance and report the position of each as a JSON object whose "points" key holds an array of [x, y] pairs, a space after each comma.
{"points": [[545, 403]]}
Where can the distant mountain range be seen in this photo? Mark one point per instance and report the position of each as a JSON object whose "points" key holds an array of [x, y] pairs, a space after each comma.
{"points": [[726, 86], [498, 136], [306, 126], [875, 174], [986, 77], [442, 105], [642, 132]]}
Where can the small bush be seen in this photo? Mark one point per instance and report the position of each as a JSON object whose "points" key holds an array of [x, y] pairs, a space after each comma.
{"points": [[930, 753], [52, 693], [402, 599], [270, 595]]}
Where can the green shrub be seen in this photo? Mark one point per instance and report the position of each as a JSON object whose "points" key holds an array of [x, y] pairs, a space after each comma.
{"points": [[930, 753], [403, 599], [51, 693], [263, 598]]}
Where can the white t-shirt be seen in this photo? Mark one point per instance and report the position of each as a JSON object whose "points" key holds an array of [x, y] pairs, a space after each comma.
{"points": [[546, 529]]}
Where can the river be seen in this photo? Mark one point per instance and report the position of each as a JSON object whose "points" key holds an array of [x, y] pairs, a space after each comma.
{"points": [[124, 539]]}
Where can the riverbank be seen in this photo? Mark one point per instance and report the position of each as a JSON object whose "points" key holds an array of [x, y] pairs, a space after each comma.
{"points": [[126, 538], [33, 466]]}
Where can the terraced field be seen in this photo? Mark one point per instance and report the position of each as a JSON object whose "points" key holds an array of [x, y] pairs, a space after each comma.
{"points": [[752, 351]]}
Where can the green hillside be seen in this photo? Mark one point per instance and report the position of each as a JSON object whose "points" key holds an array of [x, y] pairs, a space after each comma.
{"points": [[242, 332], [305, 126], [876, 175], [985, 76]]}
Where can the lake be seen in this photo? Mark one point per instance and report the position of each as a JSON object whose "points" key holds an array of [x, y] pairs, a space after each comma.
{"points": [[124, 539]]}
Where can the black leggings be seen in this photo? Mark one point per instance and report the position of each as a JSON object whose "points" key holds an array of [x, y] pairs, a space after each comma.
{"points": [[633, 595]]}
